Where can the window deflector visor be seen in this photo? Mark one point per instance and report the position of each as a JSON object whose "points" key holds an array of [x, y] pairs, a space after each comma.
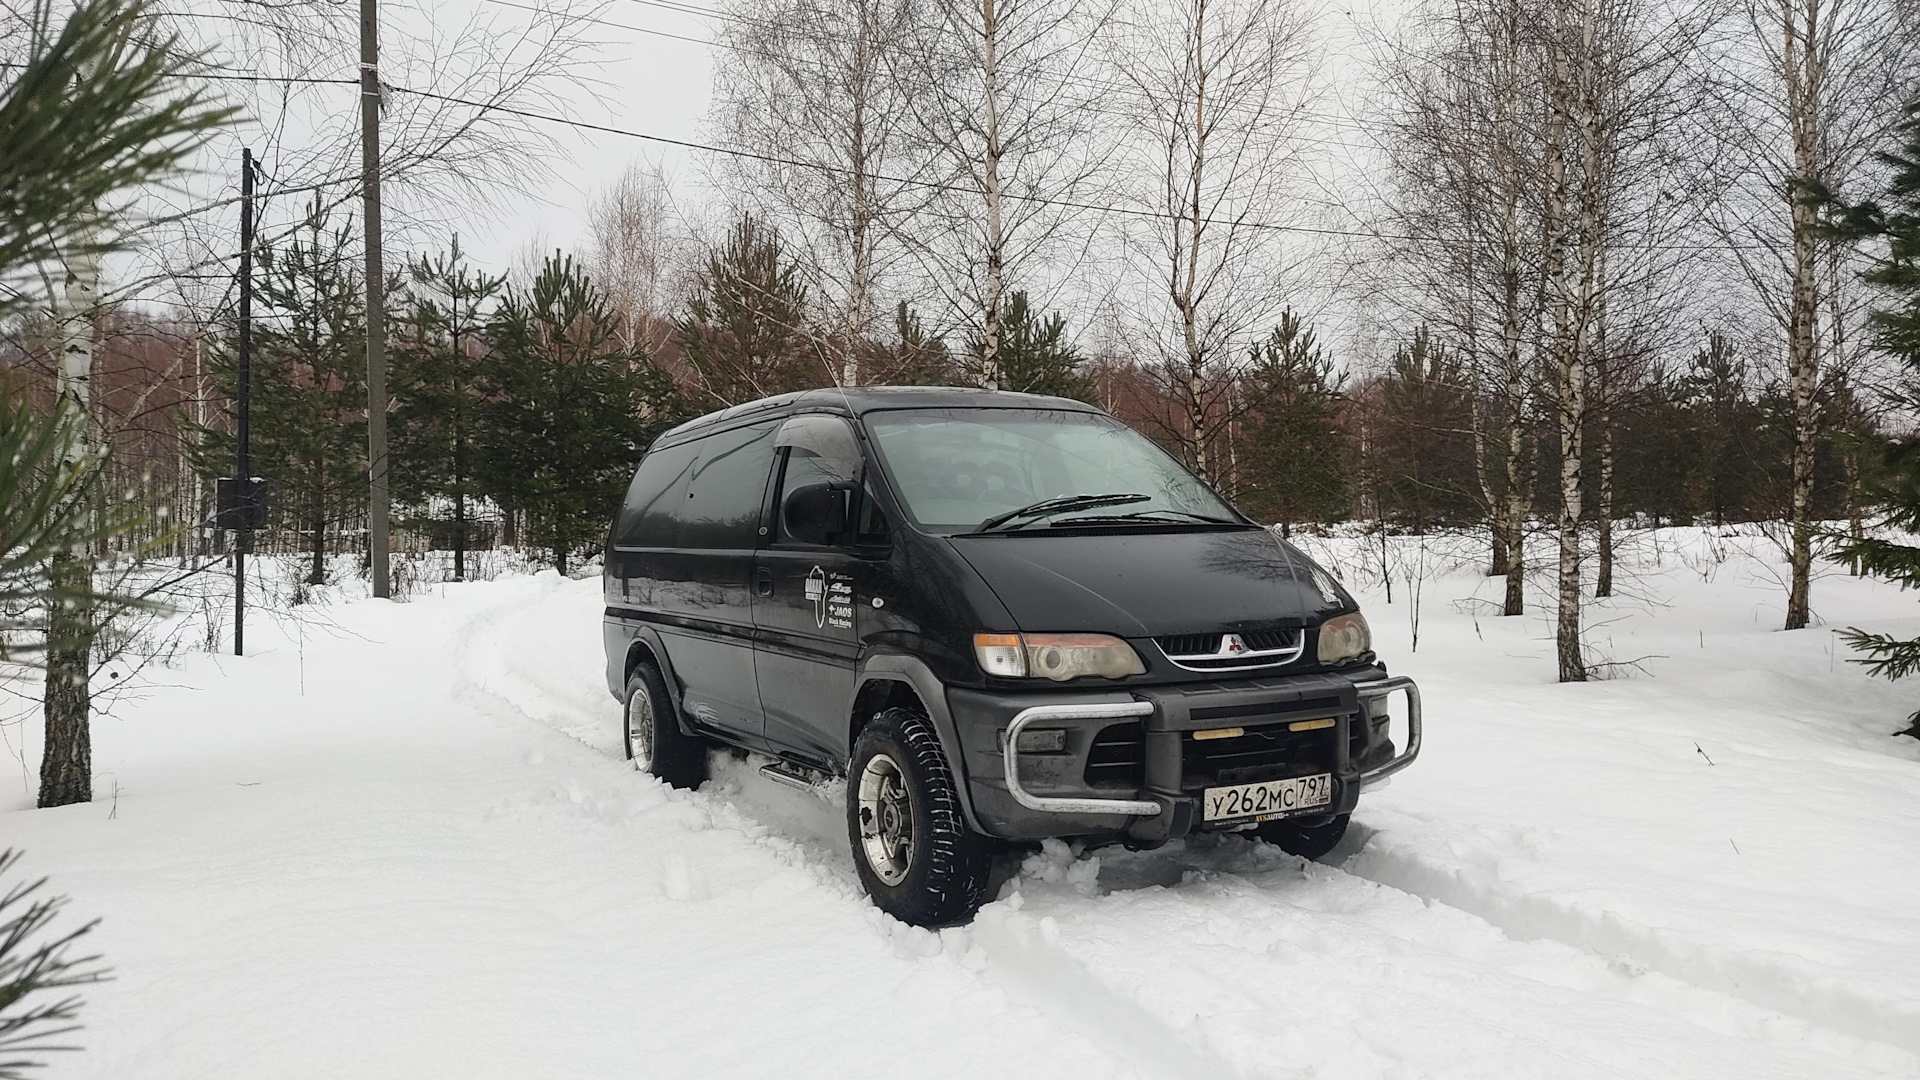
{"points": [[828, 437]]}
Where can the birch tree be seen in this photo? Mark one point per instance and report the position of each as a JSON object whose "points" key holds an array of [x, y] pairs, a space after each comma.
{"points": [[66, 770], [1815, 86], [638, 253], [1223, 85], [819, 92], [1465, 116], [1555, 235], [1003, 122]]}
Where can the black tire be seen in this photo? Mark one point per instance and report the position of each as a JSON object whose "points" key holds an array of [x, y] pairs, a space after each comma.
{"points": [[933, 872], [1306, 841], [676, 757]]}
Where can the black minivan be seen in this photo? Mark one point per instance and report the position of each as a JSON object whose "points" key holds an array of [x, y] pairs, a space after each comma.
{"points": [[1000, 617]]}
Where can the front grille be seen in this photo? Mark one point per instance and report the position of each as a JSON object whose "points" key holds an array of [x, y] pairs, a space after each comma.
{"points": [[1270, 640], [1189, 644], [1199, 652], [1264, 753], [1118, 757]]}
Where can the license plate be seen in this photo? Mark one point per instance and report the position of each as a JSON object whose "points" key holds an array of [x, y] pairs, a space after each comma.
{"points": [[1275, 798]]}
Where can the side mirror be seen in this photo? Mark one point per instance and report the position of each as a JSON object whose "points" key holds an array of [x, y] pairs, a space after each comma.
{"points": [[817, 513]]}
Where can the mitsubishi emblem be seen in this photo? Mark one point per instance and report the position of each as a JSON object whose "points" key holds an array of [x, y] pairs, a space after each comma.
{"points": [[1232, 646]]}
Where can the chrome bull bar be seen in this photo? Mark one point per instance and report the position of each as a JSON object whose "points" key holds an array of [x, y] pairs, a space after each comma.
{"points": [[1371, 691], [1367, 692], [1084, 711]]}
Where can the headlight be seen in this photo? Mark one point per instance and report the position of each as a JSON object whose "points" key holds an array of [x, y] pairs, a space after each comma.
{"points": [[1055, 656], [1344, 637]]}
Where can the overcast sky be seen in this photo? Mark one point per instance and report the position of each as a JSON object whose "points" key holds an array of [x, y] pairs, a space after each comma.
{"points": [[651, 75], [654, 84]]}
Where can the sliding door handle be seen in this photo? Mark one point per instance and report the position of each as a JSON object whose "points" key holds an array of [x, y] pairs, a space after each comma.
{"points": [[763, 582]]}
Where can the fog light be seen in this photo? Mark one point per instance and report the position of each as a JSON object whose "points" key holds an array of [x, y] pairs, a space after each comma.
{"points": [[1038, 740]]}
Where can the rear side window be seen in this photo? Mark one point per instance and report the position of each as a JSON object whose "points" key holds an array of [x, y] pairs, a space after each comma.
{"points": [[650, 515], [721, 508]]}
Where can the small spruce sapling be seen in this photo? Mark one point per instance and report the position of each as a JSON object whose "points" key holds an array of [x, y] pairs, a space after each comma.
{"points": [[1892, 229]]}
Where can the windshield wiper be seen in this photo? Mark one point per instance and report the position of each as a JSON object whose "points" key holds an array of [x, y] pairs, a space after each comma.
{"points": [[1059, 505], [1145, 515]]}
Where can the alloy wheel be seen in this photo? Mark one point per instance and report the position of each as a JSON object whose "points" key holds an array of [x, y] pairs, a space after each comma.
{"points": [[886, 819], [640, 728]]}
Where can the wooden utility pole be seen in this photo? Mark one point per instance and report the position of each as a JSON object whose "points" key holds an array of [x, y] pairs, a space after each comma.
{"points": [[376, 300]]}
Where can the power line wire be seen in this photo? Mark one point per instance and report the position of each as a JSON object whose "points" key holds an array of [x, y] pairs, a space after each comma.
{"points": [[948, 187], [1104, 110], [933, 185], [1087, 82]]}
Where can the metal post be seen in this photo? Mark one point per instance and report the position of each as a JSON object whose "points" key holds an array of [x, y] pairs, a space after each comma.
{"points": [[376, 283], [459, 418], [244, 471]]}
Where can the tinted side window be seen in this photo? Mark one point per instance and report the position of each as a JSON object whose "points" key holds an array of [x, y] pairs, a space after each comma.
{"points": [[649, 517], [722, 506]]}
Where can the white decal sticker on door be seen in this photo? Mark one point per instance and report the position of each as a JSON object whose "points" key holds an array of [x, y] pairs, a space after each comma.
{"points": [[817, 592], [840, 602]]}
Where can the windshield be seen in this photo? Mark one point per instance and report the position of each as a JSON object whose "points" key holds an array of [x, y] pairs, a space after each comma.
{"points": [[958, 469]]}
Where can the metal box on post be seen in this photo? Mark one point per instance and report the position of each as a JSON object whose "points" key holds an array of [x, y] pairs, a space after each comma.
{"points": [[240, 505]]}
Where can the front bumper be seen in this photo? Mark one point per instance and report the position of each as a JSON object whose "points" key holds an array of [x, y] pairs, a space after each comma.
{"points": [[1132, 769]]}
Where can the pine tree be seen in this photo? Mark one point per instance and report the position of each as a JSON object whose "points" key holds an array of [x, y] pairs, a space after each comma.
{"points": [[309, 393], [1424, 411], [1296, 454], [1740, 441], [913, 357], [568, 409], [1034, 356], [436, 373], [1892, 228], [743, 333], [40, 968]]}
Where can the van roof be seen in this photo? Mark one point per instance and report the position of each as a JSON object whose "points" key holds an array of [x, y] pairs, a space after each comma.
{"points": [[858, 400]]}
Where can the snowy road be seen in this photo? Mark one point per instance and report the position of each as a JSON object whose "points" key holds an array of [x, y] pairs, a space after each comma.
{"points": [[406, 845]]}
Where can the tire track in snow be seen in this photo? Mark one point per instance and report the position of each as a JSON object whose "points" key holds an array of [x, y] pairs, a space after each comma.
{"points": [[1026, 954], [1755, 976], [1023, 953], [1271, 960], [1013, 951]]}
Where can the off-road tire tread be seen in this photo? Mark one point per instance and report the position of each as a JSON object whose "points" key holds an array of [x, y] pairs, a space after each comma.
{"points": [[679, 759], [948, 880]]}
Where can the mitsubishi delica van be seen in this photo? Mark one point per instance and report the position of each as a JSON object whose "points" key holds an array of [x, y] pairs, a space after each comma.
{"points": [[994, 618]]}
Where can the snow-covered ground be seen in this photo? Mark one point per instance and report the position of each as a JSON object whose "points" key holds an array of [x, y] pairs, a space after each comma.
{"points": [[398, 840]]}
